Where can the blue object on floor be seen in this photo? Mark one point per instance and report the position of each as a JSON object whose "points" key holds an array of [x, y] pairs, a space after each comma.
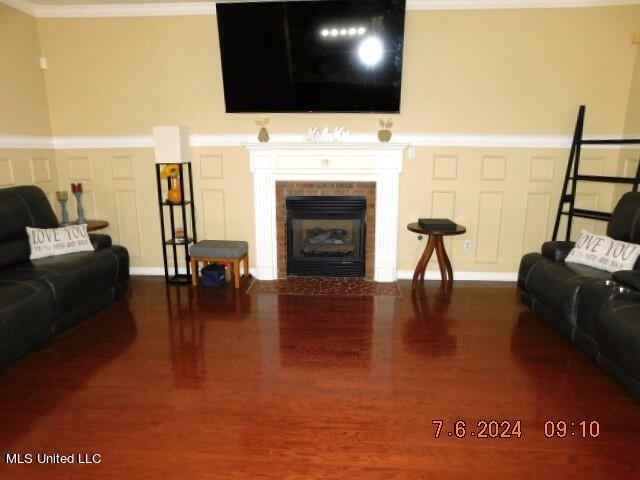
{"points": [[213, 275]]}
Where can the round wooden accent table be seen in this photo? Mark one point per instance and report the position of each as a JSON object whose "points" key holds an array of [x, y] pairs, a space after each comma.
{"points": [[93, 225], [434, 243]]}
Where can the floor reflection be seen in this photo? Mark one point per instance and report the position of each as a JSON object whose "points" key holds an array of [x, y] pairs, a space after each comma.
{"points": [[427, 332], [325, 337], [187, 337], [73, 358]]}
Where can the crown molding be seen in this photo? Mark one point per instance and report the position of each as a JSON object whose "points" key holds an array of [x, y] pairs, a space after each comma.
{"points": [[208, 7], [125, 10], [25, 6], [511, 4]]}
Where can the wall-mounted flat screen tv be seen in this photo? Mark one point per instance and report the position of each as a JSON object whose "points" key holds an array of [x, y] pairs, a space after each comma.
{"points": [[312, 55]]}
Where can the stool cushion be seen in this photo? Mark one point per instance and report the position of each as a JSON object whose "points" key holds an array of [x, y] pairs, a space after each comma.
{"points": [[219, 249]]}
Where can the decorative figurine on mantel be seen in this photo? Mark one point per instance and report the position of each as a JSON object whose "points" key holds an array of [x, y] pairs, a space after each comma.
{"points": [[76, 188], [263, 134], [63, 197], [384, 134], [337, 135]]}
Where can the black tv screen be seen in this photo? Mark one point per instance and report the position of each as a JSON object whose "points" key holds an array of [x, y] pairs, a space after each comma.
{"points": [[312, 55]]}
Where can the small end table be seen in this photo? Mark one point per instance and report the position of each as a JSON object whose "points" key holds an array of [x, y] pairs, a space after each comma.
{"points": [[93, 225], [434, 243]]}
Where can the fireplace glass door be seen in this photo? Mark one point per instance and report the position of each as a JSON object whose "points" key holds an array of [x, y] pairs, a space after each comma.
{"points": [[326, 235]]}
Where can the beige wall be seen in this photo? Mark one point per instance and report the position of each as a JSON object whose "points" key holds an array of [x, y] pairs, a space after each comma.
{"points": [[495, 72], [23, 103], [491, 71], [120, 186], [630, 157], [23, 100], [632, 119]]}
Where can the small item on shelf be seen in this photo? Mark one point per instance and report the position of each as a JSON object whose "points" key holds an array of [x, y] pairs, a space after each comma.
{"points": [[175, 194], [384, 134], [179, 233], [437, 223], [63, 197], [172, 171], [76, 188], [263, 134]]}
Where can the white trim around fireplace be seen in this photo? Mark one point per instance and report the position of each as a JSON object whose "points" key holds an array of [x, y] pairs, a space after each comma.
{"points": [[381, 163]]}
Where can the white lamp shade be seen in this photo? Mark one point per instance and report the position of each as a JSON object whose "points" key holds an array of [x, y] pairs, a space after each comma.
{"points": [[172, 144]]}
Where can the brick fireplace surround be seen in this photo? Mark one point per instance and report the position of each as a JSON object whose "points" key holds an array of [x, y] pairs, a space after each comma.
{"points": [[285, 189]]}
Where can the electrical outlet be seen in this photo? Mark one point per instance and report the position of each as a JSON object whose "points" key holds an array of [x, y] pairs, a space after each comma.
{"points": [[467, 245]]}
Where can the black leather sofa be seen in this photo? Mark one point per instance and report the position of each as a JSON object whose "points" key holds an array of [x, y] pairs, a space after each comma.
{"points": [[41, 298], [598, 310]]}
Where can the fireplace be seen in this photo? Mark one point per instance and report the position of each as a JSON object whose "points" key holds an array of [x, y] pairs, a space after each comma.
{"points": [[326, 235], [367, 168]]}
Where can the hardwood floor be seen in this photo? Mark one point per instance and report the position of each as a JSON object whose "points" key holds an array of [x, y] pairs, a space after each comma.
{"points": [[185, 383]]}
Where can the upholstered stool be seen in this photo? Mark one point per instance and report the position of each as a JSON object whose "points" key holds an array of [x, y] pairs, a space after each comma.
{"points": [[220, 251]]}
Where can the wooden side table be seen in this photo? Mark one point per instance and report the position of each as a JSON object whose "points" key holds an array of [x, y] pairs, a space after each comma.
{"points": [[93, 225], [434, 243]]}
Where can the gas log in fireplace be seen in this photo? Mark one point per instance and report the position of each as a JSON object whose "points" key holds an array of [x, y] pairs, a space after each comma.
{"points": [[326, 236]]}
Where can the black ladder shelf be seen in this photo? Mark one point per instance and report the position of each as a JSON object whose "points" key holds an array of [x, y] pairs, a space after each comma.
{"points": [[573, 176]]}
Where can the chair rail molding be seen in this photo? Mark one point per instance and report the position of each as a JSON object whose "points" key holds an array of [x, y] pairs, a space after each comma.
{"points": [[381, 163], [461, 140]]}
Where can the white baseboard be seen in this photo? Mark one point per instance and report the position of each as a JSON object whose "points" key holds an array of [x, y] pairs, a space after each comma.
{"points": [[151, 271], [463, 276], [402, 274]]}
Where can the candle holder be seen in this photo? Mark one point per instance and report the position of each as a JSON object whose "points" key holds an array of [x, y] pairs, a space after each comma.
{"points": [[76, 188], [63, 197]]}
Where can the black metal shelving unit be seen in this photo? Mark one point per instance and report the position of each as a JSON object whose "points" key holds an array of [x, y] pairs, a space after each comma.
{"points": [[186, 210], [573, 176]]}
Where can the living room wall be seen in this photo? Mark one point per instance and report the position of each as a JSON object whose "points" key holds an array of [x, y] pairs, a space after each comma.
{"points": [[490, 72], [487, 71], [23, 103]]}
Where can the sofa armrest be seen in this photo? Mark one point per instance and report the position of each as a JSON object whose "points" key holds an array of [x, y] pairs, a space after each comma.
{"points": [[100, 241], [628, 278], [557, 251]]}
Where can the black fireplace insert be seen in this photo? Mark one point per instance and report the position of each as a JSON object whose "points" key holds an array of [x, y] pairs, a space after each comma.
{"points": [[326, 236]]}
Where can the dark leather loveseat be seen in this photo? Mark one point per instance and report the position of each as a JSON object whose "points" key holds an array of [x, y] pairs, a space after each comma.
{"points": [[41, 298], [598, 310]]}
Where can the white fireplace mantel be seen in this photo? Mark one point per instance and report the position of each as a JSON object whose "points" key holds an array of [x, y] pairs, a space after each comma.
{"points": [[349, 162]]}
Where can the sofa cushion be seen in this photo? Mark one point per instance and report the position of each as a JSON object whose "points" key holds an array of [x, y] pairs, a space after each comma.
{"points": [[77, 277], [628, 278], [557, 285], [625, 219], [619, 333], [557, 251], [593, 296], [21, 207], [527, 264], [100, 241], [26, 317]]}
